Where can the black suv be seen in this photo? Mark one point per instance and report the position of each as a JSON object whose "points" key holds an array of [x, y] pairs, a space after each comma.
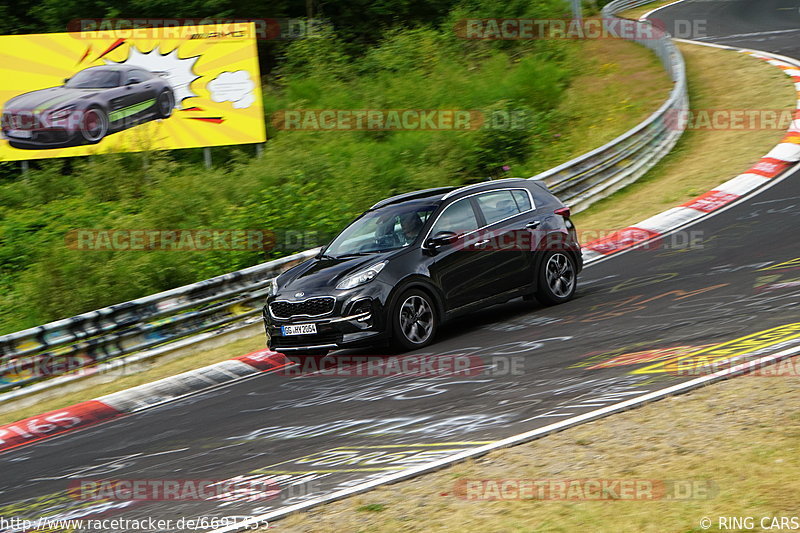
{"points": [[415, 260]]}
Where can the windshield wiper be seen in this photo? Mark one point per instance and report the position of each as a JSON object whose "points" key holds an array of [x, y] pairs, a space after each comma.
{"points": [[354, 254]]}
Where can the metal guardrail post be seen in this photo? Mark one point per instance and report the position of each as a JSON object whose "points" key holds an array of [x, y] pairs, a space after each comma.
{"points": [[577, 10]]}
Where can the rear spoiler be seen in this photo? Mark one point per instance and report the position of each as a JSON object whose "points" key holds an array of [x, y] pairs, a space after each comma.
{"points": [[541, 184]]}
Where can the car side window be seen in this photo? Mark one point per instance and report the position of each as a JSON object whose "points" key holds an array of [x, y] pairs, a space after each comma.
{"points": [[523, 200], [458, 217], [497, 205], [134, 77]]}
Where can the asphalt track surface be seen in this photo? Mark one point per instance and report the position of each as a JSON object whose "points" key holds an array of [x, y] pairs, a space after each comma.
{"points": [[768, 25], [634, 314]]}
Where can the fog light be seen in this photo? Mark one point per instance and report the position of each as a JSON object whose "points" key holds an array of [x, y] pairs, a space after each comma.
{"points": [[361, 307]]}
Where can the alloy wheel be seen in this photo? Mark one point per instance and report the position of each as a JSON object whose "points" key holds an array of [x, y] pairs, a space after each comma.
{"points": [[560, 275], [416, 319]]}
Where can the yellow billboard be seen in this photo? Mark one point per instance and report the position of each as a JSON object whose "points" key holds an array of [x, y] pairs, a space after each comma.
{"points": [[73, 94]]}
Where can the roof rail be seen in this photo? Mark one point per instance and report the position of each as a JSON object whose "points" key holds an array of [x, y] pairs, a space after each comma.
{"points": [[410, 195], [473, 185]]}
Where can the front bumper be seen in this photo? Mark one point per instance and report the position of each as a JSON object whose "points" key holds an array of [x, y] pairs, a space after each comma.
{"points": [[43, 138], [340, 332], [357, 320]]}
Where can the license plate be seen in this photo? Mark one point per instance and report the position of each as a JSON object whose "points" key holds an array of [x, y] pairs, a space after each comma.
{"points": [[299, 329], [20, 134]]}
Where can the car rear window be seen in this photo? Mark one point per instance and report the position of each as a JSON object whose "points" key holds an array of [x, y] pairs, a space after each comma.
{"points": [[523, 200], [497, 205]]}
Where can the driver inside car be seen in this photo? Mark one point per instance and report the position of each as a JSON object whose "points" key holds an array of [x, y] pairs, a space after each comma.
{"points": [[411, 226]]}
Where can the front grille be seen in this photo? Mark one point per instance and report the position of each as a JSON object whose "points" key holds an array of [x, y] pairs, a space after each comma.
{"points": [[294, 341], [306, 308], [20, 121], [50, 136]]}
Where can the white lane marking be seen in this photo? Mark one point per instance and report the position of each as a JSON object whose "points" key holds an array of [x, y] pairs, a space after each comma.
{"points": [[741, 35], [644, 17], [775, 201]]}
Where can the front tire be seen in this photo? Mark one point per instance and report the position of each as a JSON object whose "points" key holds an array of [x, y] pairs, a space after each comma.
{"points": [[94, 125], [414, 320], [557, 278]]}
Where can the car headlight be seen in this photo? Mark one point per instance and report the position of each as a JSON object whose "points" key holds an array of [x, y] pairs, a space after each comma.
{"points": [[273, 287], [60, 114], [365, 275]]}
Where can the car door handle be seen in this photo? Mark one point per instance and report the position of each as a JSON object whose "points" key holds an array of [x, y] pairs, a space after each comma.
{"points": [[533, 224], [481, 243]]}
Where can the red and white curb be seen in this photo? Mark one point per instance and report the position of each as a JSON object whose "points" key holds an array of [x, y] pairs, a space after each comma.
{"points": [[129, 401], [776, 162]]}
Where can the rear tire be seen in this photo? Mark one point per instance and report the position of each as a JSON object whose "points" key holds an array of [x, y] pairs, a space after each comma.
{"points": [[557, 278], [165, 103], [414, 320]]}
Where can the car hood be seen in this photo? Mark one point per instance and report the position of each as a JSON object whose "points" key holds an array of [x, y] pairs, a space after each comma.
{"points": [[43, 99], [324, 273]]}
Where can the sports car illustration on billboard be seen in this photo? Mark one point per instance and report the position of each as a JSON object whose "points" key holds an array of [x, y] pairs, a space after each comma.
{"points": [[95, 102]]}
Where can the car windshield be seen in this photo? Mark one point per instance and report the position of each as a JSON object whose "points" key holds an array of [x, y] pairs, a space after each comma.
{"points": [[94, 78], [384, 229]]}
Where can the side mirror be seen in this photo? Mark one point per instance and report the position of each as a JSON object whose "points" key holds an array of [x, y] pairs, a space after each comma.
{"points": [[132, 82], [443, 238]]}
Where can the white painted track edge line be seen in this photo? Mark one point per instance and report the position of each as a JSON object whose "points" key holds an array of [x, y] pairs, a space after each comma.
{"points": [[644, 17]]}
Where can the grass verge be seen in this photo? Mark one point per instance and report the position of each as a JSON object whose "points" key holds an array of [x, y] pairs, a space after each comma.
{"points": [[740, 437], [620, 85], [702, 159]]}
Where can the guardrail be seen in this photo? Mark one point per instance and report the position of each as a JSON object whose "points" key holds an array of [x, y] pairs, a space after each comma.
{"points": [[86, 340], [603, 171], [59, 347]]}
